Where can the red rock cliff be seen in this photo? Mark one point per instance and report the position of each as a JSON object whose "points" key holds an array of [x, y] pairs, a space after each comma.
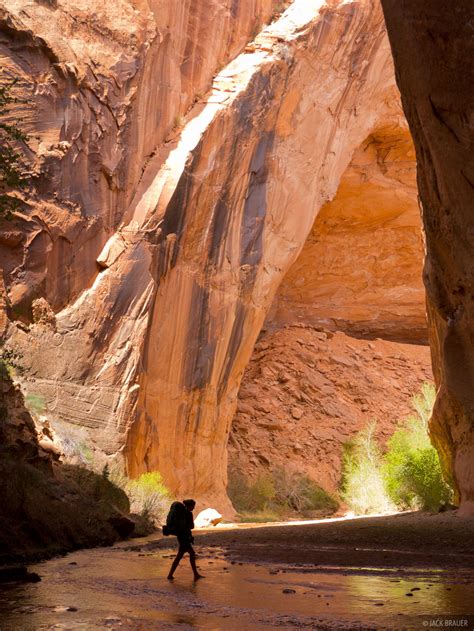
{"points": [[104, 86], [433, 48], [163, 219]]}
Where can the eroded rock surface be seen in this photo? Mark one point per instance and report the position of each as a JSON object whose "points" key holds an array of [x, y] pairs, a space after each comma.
{"points": [[103, 88], [45, 508], [219, 262], [306, 392], [433, 47]]}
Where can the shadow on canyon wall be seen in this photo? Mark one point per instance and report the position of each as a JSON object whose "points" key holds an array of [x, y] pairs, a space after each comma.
{"points": [[47, 507]]}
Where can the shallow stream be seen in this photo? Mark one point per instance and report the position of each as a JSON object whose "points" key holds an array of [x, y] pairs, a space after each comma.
{"points": [[120, 588]]}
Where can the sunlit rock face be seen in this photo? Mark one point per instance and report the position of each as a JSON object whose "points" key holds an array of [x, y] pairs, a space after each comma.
{"points": [[361, 267], [105, 89], [249, 206], [105, 84], [173, 242], [439, 106]]}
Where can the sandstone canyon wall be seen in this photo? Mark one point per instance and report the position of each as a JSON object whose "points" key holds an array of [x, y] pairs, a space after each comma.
{"points": [[230, 253], [103, 87], [433, 48], [163, 219], [104, 90]]}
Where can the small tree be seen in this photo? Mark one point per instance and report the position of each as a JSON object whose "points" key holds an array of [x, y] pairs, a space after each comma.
{"points": [[407, 476], [12, 159]]}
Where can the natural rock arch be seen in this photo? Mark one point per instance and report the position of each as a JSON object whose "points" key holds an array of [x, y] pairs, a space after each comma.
{"points": [[146, 357], [272, 184], [360, 270]]}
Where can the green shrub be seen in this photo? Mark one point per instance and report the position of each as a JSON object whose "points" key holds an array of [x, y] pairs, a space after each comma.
{"points": [[35, 403], [429, 487], [148, 494], [362, 485], [249, 496], [407, 476], [412, 470], [300, 493]]}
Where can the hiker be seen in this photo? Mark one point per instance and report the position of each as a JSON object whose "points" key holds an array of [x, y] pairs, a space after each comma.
{"points": [[180, 523]]}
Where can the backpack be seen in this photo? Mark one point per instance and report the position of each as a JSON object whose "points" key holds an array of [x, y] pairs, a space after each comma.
{"points": [[176, 521]]}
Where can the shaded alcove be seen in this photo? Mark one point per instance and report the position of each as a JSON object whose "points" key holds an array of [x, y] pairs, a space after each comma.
{"points": [[360, 270]]}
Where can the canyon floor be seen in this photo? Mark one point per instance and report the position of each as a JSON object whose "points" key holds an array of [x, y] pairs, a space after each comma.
{"points": [[407, 571]]}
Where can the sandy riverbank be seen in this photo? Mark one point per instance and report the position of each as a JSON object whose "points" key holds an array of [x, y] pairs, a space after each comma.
{"points": [[402, 540]]}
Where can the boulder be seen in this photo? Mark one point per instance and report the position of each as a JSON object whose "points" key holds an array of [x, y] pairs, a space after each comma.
{"points": [[207, 517], [123, 525]]}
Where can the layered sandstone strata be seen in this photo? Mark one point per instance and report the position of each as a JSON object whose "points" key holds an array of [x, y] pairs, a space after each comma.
{"points": [[433, 47], [104, 85], [142, 355]]}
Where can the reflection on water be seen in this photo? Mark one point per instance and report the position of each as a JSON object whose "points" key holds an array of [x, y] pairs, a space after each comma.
{"points": [[119, 589]]}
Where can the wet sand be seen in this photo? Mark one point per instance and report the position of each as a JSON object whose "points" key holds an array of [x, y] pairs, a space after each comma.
{"points": [[262, 578], [403, 540]]}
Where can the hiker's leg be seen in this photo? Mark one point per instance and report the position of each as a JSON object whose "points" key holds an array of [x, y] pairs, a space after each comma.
{"points": [[175, 563], [192, 560]]}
